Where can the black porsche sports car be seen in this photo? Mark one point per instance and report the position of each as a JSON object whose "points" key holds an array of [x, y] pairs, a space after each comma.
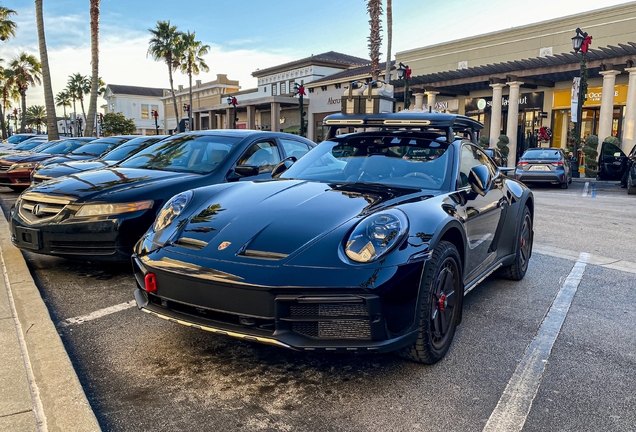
{"points": [[99, 215], [367, 251]]}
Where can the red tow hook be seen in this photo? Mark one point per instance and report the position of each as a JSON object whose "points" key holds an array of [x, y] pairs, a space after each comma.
{"points": [[151, 282], [442, 302]]}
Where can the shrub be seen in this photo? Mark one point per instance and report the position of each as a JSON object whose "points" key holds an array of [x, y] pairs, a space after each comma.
{"points": [[502, 145], [483, 141], [117, 124], [591, 154]]}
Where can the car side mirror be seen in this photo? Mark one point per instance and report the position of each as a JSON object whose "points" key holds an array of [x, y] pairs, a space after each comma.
{"points": [[246, 170], [479, 179], [283, 166]]}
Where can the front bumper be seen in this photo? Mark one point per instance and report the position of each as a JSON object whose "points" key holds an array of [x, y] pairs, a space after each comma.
{"points": [[16, 178], [305, 318]]}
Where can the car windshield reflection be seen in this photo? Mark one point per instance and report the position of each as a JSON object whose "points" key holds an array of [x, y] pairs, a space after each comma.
{"points": [[414, 162], [198, 154]]}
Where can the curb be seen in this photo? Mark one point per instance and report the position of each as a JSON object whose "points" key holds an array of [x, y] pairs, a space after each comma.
{"points": [[59, 401]]}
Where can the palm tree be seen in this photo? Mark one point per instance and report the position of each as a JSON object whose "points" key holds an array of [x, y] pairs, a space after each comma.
{"points": [[8, 92], [2, 82], [63, 99], [79, 85], [374, 8], [27, 72], [92, 105], [36, 116], [7, 27], [163, 47], [389, 39], [191, 58], [51, 120]]}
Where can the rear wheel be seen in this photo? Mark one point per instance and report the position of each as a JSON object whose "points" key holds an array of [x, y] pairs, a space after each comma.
{"points": [[564, 185], [517, 270], [441, 299], [631, 187]]}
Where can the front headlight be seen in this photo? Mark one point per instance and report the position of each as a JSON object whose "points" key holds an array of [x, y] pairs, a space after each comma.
{"points": [[171, 210], [112, 209], [22, 166], [376, 235]]}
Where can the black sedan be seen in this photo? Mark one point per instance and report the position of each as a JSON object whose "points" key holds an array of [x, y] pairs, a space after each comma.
{"points": [[95, 149], [127, 149], [100, 214], [369, 252]]}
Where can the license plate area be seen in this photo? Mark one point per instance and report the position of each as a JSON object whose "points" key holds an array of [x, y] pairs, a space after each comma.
{"points": [[539, 168], [28, 238]]}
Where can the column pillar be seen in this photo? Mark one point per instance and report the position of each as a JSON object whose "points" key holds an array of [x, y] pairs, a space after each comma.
{"points": [[419, 101], [629, 125], [513, 121], [251, 117], [275, 106], [228, 119], [607, 105], [430, 99], [495, 114], [212, 120]]}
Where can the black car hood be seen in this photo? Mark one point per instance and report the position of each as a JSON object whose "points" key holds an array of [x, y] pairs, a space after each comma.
{"points": [[27, 157], [272, 220], [68, 168], [114, 184], [72, 157]]}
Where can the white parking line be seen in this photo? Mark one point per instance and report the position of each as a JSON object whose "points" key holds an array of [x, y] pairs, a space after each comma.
{"points": [[514, 405], [97, 314], [585, 188]]}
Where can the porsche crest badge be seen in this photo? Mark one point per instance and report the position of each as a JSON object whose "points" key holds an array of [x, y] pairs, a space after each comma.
{"points": [[224, 245]]}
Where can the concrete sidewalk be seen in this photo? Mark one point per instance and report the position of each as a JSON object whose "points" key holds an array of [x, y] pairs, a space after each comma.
{"points": [[39, 389]]}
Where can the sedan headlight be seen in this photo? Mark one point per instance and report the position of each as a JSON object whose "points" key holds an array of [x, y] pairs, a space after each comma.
{"points": [[25, 165], [376, 235], [171, 210], [112, 209]]}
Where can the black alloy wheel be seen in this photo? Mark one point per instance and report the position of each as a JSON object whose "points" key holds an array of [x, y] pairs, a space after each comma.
{"points": [[517, 270], [441, 300]]}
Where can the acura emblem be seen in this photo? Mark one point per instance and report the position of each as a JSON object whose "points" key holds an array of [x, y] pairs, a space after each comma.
{"points": [[224, 245], [37, 210]]}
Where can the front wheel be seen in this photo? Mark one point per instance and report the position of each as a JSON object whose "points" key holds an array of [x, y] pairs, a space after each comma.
{"points": [[517, 270], [441, 299]]}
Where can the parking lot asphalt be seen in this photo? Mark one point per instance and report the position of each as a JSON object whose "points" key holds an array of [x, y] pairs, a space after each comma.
{"points": [[141, 373]]}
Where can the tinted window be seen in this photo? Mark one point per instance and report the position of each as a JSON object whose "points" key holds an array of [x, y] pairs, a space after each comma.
{"points": [[64, 147], [184, 153], [610, 150], [472, 157], [28, 145], [294, 148], [129, 148], [44, 146], [542, 154], [264, 155], [99, 146], [15, 139], [416, 162]]}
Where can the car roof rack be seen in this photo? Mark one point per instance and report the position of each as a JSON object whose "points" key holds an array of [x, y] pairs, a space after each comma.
{"points": [[453, 123]]}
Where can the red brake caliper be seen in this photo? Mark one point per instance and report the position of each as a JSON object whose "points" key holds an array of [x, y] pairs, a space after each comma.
{"points": [[442, 302]]}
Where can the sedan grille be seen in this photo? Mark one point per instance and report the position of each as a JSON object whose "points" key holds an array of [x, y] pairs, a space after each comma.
{"points": [[36, 208], [4, 167]]}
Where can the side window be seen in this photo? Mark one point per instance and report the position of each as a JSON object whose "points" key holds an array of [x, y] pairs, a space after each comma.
{"points": [[609, 150], [263, 154], [294, 148], [472, 156]]}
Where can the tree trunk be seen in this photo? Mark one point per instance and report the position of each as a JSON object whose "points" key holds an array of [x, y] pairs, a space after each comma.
{"points": [[84, 119], [23, 114], [374, 8], [92, 105], [389, 39], [174, 96], [49, 101], [190, 110], [2, 124]]}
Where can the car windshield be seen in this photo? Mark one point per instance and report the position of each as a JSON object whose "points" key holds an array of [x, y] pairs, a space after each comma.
{"points": [[129, 148], [64, 147], [44, 146], [99, 146], [392, 159], [16, 139], [28, 145], [542, 154], [199, 154]]}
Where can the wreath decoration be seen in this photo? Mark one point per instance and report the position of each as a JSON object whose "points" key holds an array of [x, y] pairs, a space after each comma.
{"points": [[545, 134]]}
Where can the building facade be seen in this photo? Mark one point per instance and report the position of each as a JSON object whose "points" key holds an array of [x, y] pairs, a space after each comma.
{"points": [[138, 104]]}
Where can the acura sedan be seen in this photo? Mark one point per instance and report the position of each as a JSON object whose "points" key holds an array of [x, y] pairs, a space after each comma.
{"points": [[100, 214], [97, 148]]}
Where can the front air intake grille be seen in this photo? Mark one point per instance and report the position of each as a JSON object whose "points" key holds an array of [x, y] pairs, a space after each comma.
{"points": [[342, 329], [328, 309], [35, 208]]}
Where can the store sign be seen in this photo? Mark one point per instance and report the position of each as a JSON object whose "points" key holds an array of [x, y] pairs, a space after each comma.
{"points": [[562, 98], [527, 101], [334, 101]]}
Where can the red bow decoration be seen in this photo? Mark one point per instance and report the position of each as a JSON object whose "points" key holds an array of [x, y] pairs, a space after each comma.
{"points": [[301, 91], [545, 134], [586, 44], [407, 73], [234, 101]]}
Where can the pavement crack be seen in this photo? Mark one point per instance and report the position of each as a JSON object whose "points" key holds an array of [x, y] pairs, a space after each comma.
{"points": [[15, 413]]}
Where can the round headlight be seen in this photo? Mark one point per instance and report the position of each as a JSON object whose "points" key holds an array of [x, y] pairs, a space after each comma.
{"points": [[171, 210], [376, 235]]}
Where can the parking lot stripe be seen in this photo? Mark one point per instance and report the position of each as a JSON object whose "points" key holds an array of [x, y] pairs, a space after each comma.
{"points": [[514, 405], [585, 188], [97, 314], [602, 261]]}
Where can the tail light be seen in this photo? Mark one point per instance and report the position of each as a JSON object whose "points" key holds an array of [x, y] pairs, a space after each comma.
{"points": [[557, 163], [520, 163], [151, 282]]}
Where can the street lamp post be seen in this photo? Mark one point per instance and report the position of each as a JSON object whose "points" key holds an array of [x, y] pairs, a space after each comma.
{"points": [[404, 72], [299, 89], [231, 100], [155, 114], [580, 42]]}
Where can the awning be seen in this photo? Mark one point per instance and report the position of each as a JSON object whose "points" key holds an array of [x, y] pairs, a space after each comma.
{"points": [[292, 129]]}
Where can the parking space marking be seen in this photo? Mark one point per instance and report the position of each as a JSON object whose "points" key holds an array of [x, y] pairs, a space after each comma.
{"points": [[585, 188], [97, 314], [606, 262], [514, 405]]}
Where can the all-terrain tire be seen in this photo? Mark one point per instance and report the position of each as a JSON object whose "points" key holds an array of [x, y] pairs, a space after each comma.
{"points": [[441, 301], [523, 244]]}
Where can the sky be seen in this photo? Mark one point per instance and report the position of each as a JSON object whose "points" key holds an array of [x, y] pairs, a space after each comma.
{"points": [[246, 35]]}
